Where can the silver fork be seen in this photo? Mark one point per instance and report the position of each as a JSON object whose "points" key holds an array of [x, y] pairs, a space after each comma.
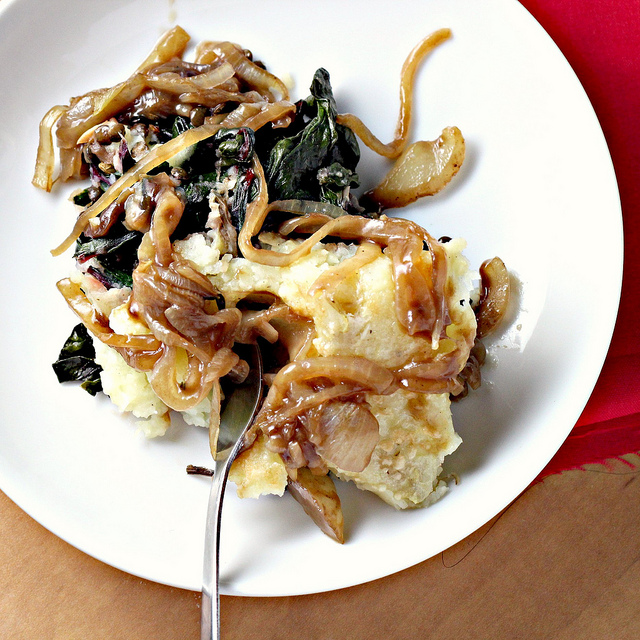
{"points": [[235, 420]]}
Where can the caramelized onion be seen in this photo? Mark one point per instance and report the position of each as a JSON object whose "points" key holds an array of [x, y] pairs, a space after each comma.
{"points": [[71, 164], [108, 218], [270, 86], [318, 497], [139, 351], [423, 169], [171, 44], [182, 393], [495, 296], [296, 334], [366, 253], [257, 323], [343, 433], [98, 323], [46, 158], [363, 373], [310, 223], [315, 413], [97, 106], [305, 207], [471, 377], [174, 82], [395, 147]]}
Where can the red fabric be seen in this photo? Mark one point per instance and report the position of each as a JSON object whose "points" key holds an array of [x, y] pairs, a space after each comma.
{"points": [[601, 41]]}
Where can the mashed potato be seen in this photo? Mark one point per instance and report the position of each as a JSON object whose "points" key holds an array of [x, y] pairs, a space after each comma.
{"points": [[356, 317]]}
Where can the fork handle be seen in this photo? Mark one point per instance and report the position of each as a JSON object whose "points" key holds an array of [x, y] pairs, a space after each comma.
{"points": [[210, 613]]}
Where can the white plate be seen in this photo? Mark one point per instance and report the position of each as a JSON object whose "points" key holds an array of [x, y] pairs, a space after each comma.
{"points": [[537, 189]]}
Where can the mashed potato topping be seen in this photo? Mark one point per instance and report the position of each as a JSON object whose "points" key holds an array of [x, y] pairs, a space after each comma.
{"points": [[356, 318]]}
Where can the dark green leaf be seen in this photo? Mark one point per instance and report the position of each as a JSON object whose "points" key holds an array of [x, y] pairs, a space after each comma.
{"points": [[76, 361], [295, 156]]}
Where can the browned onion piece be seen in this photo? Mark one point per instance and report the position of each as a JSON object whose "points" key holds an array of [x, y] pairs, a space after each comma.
{"points": [[361, 371], [270, 86], [71, 164], [438, 373], [140, 351], [427, 385], [158, 290], [304, 207], [302, 386], [109, 217], [495, 296], [301, 398], [97, 106], [343, 433], [146, 353], [171, 44], [471, 376], [319, 499], [46, 159], [440, 367], [257, 323], [423, 169], [180, 393], [419, 288], [309, 223], [215, 97], [166, 217], [173, 82], [295, 333], [123, 185], [395, 147]]}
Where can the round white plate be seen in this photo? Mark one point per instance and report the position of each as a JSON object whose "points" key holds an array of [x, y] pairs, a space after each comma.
{"points": [[537, 189]]}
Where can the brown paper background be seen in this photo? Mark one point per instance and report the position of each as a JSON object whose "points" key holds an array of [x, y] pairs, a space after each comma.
{"points": [[562, 563]]}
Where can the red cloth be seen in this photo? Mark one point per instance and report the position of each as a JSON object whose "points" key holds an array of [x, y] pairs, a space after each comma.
{"points": [[601, 41]]}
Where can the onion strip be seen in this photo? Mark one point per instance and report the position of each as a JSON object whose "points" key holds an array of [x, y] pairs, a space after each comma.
{"points": [[171, 44], [364, 372], [46, 157], [98, 324], [268, 84], [394, 148], [174, 83]]}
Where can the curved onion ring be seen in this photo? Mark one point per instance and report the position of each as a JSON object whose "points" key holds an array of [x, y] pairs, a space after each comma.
{"points": [[361, 371], [172, 82], [495, 296]]}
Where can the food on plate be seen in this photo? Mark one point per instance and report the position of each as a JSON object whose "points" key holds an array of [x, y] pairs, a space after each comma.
{"points": [[218, 212]]}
